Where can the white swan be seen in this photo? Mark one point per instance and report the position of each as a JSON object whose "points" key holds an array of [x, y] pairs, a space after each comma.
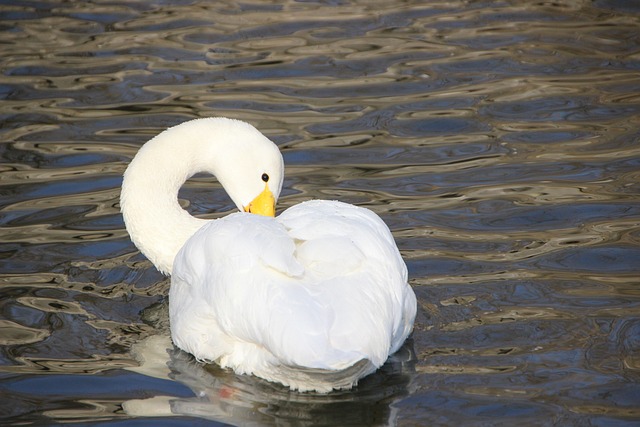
{"points": [[315, 298]]}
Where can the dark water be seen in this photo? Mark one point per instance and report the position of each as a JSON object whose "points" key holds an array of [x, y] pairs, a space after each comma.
{"points": [[499, 140]]}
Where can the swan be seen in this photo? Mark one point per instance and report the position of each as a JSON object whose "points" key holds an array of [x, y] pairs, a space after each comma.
{"points": [[315, 298]]}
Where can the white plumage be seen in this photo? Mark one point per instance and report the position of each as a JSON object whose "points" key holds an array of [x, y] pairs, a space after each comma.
{"points": [[315, 298]]}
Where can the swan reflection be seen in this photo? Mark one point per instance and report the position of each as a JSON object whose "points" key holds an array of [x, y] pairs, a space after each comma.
{"points": [[223, 396]]}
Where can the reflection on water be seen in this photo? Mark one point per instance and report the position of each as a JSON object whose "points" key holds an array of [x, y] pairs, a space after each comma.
{"points": [[499, 141], [223, 396]]}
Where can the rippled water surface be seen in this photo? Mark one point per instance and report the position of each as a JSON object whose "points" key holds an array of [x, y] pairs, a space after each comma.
{"points": [[499, 140]]}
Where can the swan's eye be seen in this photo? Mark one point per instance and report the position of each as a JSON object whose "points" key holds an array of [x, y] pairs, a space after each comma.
{"points": [[265, 177]]}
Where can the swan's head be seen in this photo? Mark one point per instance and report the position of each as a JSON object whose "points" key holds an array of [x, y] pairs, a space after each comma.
{"points": [[247, 164]]}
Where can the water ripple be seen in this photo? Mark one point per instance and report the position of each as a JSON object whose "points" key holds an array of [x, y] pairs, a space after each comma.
{"points": [[497, 140]]}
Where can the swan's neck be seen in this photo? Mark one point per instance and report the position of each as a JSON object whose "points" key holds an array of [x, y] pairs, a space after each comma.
{"points": [[157, 224], [241, 158]]}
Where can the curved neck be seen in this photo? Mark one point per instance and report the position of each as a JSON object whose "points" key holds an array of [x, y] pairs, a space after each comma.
{"points": [[234, 151], [156, 222]]}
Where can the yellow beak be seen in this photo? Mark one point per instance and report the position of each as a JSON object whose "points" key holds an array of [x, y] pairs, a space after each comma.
{"points": [[264, 204]]}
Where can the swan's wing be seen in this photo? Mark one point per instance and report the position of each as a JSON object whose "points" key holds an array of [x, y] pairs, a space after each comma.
{"points": [[351, 250], [237, 296], [223, 279]]}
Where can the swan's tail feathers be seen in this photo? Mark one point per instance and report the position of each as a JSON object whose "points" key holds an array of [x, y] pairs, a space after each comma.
{"points": [[323, 380]]}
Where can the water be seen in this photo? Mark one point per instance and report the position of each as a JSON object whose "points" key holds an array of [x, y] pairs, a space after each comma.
{"points": [[499, 141]]}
